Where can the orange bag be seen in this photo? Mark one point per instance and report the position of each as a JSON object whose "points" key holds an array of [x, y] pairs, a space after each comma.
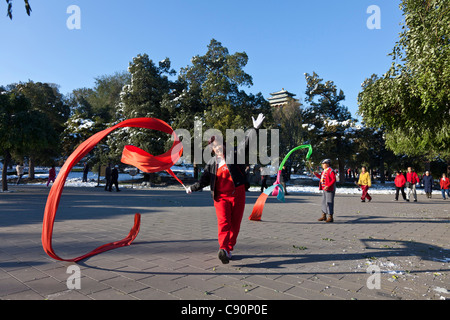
{"points": [[131, 155]]}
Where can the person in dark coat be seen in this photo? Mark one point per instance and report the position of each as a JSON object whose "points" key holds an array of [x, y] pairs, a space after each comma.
{"points": [[284, 178], [263, 181], [427, 181], [85, 172], [114, 178], [108, 177]]}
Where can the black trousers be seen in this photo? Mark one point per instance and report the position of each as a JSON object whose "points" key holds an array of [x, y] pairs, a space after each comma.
{"points": [[397, 189]]}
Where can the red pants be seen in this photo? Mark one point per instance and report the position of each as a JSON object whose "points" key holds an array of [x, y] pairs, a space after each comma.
{"points": [[365, 193], [229, 211]]}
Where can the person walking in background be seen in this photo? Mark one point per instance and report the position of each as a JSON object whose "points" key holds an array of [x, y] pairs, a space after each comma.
{"points": [[365, 183], [399, 185], [328, 185], [445, 186], [114, 178], [427, 181], [85, 172], [284, 178], [263, 180], [19, 170], [411, 180], [108, 177], [51, 175]]}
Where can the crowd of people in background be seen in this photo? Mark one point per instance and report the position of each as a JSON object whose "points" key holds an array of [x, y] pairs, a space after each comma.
{"points": [[111, 175], [412, 180], [405, 183]]}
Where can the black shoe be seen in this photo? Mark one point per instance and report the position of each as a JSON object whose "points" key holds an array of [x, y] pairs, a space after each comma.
{"points": [[223, 256]]}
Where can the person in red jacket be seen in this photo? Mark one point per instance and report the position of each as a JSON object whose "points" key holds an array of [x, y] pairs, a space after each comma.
{"points": [[51, 175], [412, 179], [399, 185], [328, 185], [445, 186]]}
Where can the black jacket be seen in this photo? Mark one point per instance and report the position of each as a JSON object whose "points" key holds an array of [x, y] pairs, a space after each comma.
{"points": [[237, 172]]}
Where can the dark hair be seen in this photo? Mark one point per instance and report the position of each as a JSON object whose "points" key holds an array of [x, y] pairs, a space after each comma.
{"points": [[210, 144]]}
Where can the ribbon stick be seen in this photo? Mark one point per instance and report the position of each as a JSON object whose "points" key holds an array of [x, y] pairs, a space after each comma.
{"points": [[276, 189], [308, 155], [131, 155], [260, 203]]}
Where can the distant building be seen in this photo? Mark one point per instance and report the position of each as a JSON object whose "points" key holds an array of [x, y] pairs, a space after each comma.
{"points": [[281, 98]]}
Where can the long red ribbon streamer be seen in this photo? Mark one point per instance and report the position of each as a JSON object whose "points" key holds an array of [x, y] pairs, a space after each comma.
{"points": [[131, 155]]}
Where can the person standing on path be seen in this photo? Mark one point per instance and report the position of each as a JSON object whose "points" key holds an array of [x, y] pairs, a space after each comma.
{"points": [[284, 178], [51, 175], [399, 185], [114, 179], [85, 172], [411, 180], [227, 180], [365, 183], [328, 185], [108, 177], [427, 181], [19, 170], [263, 181], [445, 186]]}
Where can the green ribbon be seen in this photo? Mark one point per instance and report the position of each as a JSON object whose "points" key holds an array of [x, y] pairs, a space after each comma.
{"points": [[295, 149]]}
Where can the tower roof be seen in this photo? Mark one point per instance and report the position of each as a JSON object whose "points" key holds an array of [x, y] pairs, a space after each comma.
{"points": [[280, 98]]}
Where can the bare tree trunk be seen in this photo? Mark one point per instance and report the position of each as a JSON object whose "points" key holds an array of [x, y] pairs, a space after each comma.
{"points": [[30, 168], [7, 158]]}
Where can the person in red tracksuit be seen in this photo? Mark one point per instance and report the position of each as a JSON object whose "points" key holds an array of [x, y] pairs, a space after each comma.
{"points": [[227, 180], [328, 185], [399, 185], [445, 186], [412, 178]]}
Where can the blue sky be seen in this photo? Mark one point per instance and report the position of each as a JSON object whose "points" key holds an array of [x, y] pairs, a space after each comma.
{"points": [[284, 39]]}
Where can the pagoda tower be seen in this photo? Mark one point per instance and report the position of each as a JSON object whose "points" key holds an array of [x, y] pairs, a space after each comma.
{"points": [[280, 98]]}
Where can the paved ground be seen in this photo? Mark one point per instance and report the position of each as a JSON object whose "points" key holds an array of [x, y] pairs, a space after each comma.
{"points": [[287, 256]]}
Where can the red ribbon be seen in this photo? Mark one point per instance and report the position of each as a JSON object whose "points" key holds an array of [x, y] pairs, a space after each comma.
{"points": [[131, 155]]}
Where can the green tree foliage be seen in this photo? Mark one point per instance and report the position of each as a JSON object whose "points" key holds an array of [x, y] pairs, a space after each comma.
{"points": [[209, 91], [329, 125], [143, 97], [411, 101], [288, 119], [23, 129], [214, 81], [92, 110], [48, 113]]}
